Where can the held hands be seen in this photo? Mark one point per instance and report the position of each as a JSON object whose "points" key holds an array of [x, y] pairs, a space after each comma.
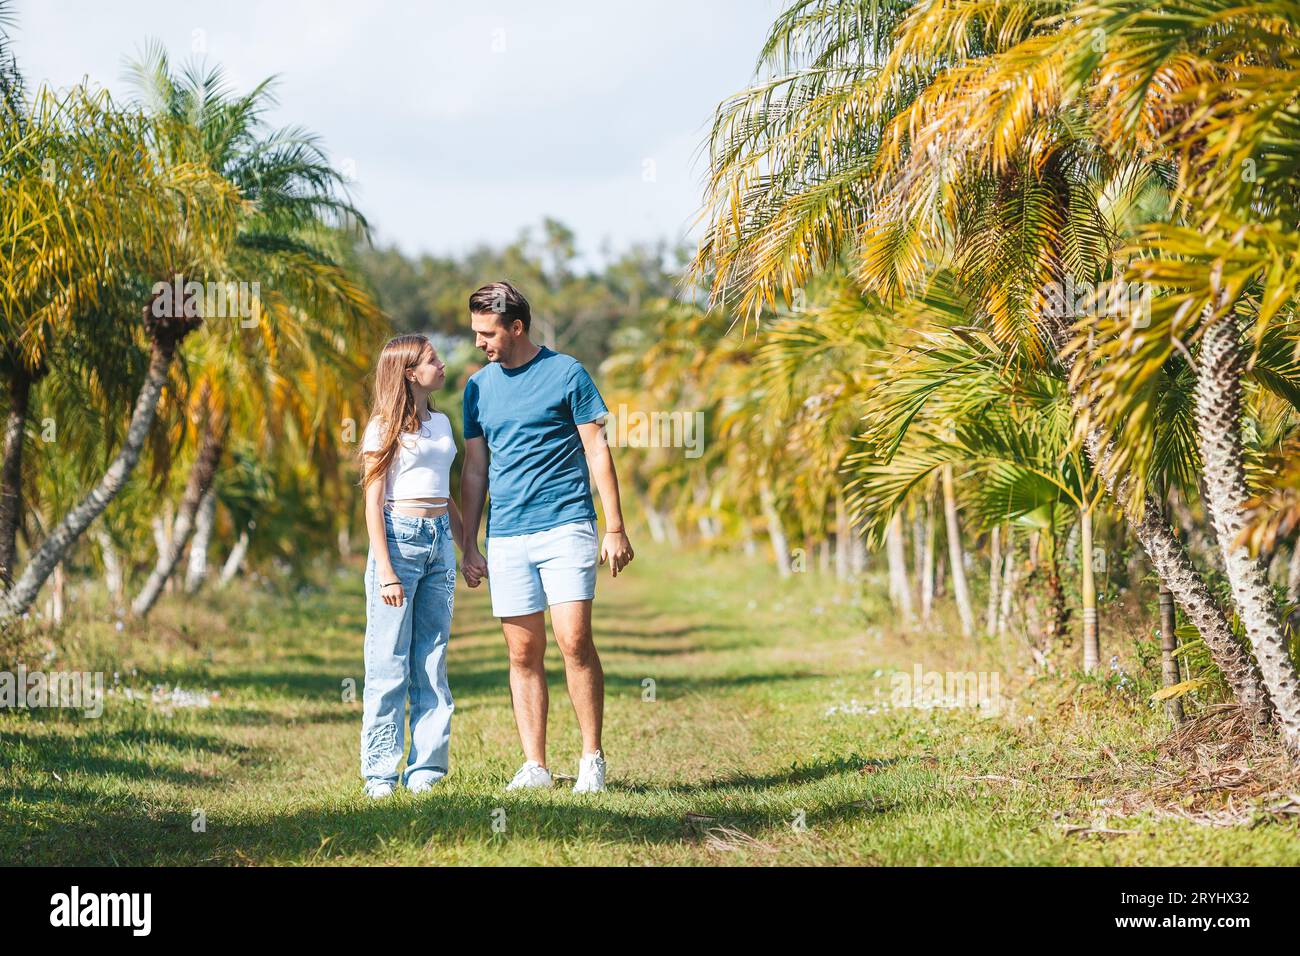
{"points": [[616, 548], [474, 566]]}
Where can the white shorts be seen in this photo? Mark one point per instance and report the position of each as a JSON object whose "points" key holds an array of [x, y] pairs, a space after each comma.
{"points": [[529, 572]]}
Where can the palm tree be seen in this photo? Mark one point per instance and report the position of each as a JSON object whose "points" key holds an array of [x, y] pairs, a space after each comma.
{"points": [[676, 363], [1226, 256], [960, 147], [957, 400], [811, 366], [146, 221], [288, 240]]}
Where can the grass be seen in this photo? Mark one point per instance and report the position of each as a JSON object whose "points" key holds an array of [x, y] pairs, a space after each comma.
{"points": [[760, 741]]}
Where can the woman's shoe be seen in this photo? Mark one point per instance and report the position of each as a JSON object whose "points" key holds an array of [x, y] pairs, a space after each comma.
{"points": [[379, 789], [423, 783]]}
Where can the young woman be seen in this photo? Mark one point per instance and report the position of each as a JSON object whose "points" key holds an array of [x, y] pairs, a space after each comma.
{"points": [[407, 453]]}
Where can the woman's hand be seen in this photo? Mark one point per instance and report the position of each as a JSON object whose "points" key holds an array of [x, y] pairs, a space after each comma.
{"points": [[393, 593]]}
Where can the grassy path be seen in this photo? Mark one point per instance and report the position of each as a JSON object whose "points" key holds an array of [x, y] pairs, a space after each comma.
{"points": [[759, 745]]}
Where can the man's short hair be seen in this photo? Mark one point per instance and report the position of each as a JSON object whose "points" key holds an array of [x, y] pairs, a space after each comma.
{"points": [[503, 299]]}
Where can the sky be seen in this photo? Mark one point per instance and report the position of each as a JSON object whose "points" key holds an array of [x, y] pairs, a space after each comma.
{"points": [[459, 123]]}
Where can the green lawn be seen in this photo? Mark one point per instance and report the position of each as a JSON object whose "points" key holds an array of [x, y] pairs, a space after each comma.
{"points": [[763, 744]]}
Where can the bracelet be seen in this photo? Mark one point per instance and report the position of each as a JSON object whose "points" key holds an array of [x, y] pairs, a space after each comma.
{"points": [[613, 531], [389, 584]]}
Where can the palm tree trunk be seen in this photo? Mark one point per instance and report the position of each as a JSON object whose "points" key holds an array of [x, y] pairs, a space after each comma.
{"points": [[1177, 573], [200, 480], [655, 521], [197, 571], [1220, 367], [17, 599], [114, 579], [780, 544], [58, 587], [1008, 587], [1091, 636], [918, 557], [1170, 560], [1033, 618], [859, 559], [927, 564], [900, 592], [1293, 575], [671, 529], [11, 472], [704, 519], [235, 560], [995, 578], [1168, 657], [842, 538], [960, 592], [1058, 624], [163, 525], [343, 540]]}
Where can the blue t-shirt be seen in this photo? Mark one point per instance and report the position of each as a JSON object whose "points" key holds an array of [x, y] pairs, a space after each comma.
{"points": [[529, 415]]}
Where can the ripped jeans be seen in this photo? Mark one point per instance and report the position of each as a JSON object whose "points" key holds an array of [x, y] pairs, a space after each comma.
{"points": [[406, 649]]}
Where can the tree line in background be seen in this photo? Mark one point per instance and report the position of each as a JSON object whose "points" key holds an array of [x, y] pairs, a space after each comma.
{"points": [[577, 307]]}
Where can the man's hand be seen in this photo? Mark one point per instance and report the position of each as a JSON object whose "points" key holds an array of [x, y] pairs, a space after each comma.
{"points": [[474, 566], [615, 548]]}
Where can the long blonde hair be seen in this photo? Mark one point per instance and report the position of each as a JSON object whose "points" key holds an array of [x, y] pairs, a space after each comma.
{"points": [[394, 403]]}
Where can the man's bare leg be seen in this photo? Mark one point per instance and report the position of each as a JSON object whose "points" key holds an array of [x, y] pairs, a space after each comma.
{"points": [[526, 644], [571, 622]]}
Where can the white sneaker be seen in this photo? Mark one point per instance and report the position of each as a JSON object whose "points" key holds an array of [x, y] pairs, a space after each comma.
{"points": [[377, 791], [423, 784], [531, 775], [591, 773]]}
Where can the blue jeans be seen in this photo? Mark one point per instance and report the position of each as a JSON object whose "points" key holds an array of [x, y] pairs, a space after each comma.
{"points": [[406, 649]]}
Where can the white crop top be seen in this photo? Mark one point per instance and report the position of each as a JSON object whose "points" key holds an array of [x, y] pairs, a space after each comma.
{"points": [[422, 466]]}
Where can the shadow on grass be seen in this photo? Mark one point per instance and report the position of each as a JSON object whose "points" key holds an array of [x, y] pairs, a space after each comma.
{"points": [[111, 836], [110, 754], [796, 775], [670, 632], [314, 686], [324, 713], [473, 674], [496, 680]]}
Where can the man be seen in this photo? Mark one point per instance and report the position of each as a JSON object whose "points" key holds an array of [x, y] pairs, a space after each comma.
{"points": [[540, 416]]}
